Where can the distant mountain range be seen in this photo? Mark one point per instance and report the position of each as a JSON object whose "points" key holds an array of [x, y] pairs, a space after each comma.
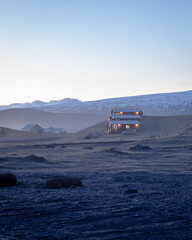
{"points": [[178, 103]]}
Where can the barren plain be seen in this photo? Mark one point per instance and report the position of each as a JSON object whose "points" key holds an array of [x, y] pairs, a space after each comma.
{"points": [[134, 187]]}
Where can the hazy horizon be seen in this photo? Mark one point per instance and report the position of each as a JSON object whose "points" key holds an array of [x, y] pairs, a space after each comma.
{"points": [[92, 50], [139, 95]]}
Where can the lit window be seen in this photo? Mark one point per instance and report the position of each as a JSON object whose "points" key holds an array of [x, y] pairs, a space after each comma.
{"points": [[127, 126], [114, 126], [136, 125], [121, 113], [119, 125], [137, 113]]}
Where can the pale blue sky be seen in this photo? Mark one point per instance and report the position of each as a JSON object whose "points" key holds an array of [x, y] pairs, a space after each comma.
{"points": [[93, 49]]}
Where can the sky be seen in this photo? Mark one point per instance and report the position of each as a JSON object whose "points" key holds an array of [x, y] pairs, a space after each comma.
{"points": [[93, 49]]}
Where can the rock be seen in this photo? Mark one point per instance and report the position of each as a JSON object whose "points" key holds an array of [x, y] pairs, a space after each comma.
{"points": [[131, 191], [63, 182], [90, 148], [111, 149], [93, 135], [140, 147], [50, 146], [7, 180]]}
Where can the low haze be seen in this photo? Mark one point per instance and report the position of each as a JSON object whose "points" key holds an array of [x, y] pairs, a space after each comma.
{"points": [[53, 49]]}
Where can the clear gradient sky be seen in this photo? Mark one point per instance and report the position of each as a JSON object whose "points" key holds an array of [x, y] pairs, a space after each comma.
{"points": [[93, 49]]}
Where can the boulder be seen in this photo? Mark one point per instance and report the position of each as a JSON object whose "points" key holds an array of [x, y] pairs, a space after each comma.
{"points": [[90, 148], [93, 135], [131, 191], [7, 180], [64, 182]]}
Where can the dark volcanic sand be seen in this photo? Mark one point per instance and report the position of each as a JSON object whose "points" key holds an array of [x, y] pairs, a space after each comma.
{"points": [[126, 194]]}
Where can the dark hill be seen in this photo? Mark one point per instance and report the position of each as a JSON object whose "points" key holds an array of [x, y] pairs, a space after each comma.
{"points": [[71, 122]]}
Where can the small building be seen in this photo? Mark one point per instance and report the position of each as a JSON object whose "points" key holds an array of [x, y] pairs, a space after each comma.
{"points": [[33, 128], [54, 130], [28, 127], [36, 129], [123, 119]]}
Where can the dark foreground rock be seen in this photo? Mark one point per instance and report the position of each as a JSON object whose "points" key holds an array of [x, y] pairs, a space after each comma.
{"points": [[7, 180], [63, 182], [140, 147], [131, 191], [89, 148]]}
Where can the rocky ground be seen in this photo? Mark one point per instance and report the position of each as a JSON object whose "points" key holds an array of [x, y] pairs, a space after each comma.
{"points": [[128, 192]]}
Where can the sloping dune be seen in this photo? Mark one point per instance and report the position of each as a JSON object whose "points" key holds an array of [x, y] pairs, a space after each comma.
{"points": [[161, 126], [12, 133], [169, 125]]}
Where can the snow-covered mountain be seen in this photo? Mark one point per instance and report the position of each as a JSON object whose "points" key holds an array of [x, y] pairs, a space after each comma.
{"points": [[38, 104], [178, 103]]}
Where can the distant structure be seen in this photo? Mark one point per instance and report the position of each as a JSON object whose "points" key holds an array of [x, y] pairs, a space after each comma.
{"points": [[54, 130], [2, 132], [28, 127], [123, 120], [35, 128]]}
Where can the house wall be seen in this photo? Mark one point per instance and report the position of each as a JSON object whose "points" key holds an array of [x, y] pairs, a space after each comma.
{"points": [[120, 128]]}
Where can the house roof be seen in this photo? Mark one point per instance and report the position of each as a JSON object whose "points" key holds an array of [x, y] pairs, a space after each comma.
{"points": [[28, 127], [124, 110], [126, 116], [124, 122]]}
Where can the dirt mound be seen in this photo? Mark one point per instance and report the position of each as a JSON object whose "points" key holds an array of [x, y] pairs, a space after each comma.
{"points": [[29, 159], [63, 182], [34, 158], [114, 150], [140, 147]]}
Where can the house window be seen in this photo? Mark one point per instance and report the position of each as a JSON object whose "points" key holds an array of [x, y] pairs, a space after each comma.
{"points": [[114, 127], [127, 126]]}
